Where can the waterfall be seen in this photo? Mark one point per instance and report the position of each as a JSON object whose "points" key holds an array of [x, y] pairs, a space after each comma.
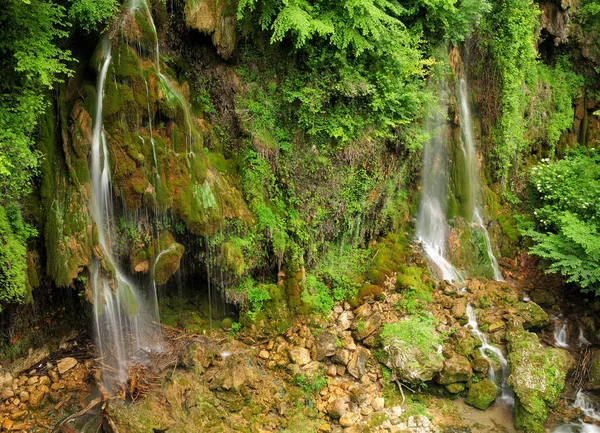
{"points": [[506, 392], [581, 338], [431, 219], [588, 409], [127, 328], [560, 333], [472, 171]]}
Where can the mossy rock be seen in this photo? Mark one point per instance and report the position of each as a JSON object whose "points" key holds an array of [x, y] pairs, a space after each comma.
{"points": [[537, 376], [594, 374], [482, 394], [531, 315], [167, 260]]}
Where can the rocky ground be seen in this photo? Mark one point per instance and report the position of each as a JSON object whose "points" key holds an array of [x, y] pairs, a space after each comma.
{"points": [[384, 366]]}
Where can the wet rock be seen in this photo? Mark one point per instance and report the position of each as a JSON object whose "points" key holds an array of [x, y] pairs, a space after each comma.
{"points": [[337, 408], [357, 366], [299, 355], [365, 326], [325, 345], [456, 369], [167, 261], [481, 394], [66, 364], [481, 365], [459, 309], [465, 342], [213, 18]]}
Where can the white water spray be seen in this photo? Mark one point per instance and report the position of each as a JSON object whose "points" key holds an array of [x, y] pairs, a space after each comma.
{"points": [[560, 333], [126, 327], [506, 392], [431, 220], [472, 170]]}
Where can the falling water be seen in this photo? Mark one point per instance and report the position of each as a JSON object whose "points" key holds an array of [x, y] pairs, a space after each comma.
{"points": [[126, 328], [560, 333], [506, 392], [588, 409], [431, 220], [581, 338], [472, 172]]}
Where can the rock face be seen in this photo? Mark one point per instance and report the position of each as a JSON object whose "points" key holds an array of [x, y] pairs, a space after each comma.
{"points": [[214, 18], [537, 376], [365, 326], [358, 363], [482, 394], [299, 355]]}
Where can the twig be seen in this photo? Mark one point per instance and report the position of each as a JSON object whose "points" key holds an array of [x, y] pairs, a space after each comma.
{"points": [[83, 411]]}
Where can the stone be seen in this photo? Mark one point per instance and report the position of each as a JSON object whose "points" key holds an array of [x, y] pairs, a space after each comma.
{"points": [[459, 309], [53, 376], [531, 315], [24, 396], [66, 364], [44, 380], [168, 260], [365, 326], [299, 355], [345, 320], [357, 366], [455, 388], [538, 376], [37, 397], [481, 365], [349, 419], [33, 380], [331, 370], [341, 356], [482, 394], [7, 424], [456, 369], [348, 341], [337, 408], [264, 354], [325, 345], [6, 394], [378, 404]]}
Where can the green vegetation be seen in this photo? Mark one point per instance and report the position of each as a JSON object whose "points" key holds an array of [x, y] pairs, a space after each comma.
{"points": [[566, 199], [418, 330]]}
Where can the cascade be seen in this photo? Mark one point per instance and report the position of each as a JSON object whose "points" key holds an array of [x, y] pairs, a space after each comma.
{"points": [[506, 392], [581, 338], [472, 171], [432, 226], [560, 333], [126, 319], [431, 219], [588, 409]]}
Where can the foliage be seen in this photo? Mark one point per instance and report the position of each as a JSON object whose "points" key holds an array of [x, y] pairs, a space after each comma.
{"points": [[566, 196], [89, 14], [417, 330], [311, 385], [13, 266], [317, 295], [359, 64], [257, 294]]}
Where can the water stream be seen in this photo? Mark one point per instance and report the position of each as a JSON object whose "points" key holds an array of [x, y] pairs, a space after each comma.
{"points": [[125, 318], [506, 392], [560, 333], [588, 409], [432, 230], [472, 171]]}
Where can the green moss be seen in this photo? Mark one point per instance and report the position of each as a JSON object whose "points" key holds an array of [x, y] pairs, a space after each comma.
{"points": [[482, 394]]}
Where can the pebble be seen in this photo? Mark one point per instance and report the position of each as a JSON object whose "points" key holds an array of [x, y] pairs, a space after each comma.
{"points": [[66, 364]]}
